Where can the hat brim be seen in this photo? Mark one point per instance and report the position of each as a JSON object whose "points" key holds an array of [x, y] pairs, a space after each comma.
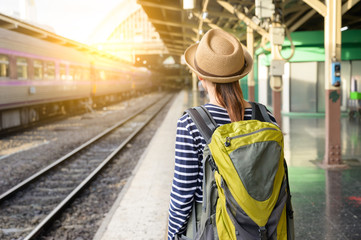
{"points": [[189, 55]]}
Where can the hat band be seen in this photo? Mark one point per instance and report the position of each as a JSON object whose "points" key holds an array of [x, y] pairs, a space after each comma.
{"points": [[213, 75]]}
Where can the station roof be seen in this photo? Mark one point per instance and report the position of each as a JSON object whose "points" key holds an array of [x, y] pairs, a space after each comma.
{"points": [[26, 28], [178, 28]]}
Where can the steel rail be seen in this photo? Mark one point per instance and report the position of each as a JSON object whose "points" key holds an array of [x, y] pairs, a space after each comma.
{"points": [[25, 182], [34, 233]]}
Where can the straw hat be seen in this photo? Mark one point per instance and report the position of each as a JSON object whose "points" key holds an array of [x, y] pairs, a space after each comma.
{"points": [[219, 57]]}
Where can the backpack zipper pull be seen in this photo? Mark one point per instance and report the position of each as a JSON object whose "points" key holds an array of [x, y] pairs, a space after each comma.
{"points": [[228, 142]]}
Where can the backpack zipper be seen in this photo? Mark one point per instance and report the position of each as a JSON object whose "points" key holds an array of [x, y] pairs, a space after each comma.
{"points": [[228, 139]]}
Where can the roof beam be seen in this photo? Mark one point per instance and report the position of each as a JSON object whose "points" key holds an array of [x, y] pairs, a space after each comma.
{"points": [[296, 8], [60, 42], [176, 8], [348, 5], [9, 26], [215, 26], [221, 14], [244, 18], [318, 6], [179, 51], [81, 48], [295, 17], [177, 41], [174, 24], [175, 34], [200, 25], [174, 45], [40, 35], [302, 20], [206, 20], [183, 30], [159, 6], [354, 20], [164, 17], [175, 51]]}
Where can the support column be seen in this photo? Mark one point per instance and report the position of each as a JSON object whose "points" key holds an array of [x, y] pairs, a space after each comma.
{"points": [[195, 91], [194, 82], [333, 195], [332, 93], [276, 82], [276, 104], [250, 80], [277, 99]]}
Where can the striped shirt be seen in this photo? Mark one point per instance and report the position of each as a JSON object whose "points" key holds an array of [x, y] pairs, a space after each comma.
{"points": [[188, 172]]}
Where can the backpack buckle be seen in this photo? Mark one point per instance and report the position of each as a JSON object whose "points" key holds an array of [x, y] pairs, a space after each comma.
{"points": [[212, 163], [262, 233]]}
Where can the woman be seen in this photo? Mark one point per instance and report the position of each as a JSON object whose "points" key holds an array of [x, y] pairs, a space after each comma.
{"points": [[219, 61]]}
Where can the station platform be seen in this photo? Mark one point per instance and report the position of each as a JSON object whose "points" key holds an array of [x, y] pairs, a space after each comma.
{"points": [[326, 202]]}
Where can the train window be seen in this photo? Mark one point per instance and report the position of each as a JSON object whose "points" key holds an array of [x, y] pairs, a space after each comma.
{"points": [[77, 74], [115, 76], [22, 68], [4, 66], [38, 69], [102, 75], [86, 74], [49, 70], [71, 73], [62, 71], [110, 75]]}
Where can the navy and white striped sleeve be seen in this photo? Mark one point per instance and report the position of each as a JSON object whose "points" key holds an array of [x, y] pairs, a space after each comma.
{"points": [[187, 180], [273, 119]]}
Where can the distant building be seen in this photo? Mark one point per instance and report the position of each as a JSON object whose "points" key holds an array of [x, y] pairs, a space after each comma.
{"points": [[126, 32], [21, 9], [24, 10]]}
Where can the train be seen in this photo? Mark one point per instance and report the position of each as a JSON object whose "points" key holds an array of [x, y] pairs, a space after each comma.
{"points": [[39, 79]]}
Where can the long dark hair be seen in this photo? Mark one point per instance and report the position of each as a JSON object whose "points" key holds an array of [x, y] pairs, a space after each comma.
{"points": [[230, 96]]}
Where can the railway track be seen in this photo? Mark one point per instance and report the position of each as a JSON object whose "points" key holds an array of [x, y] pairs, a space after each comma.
{"points": [[39, 199]]}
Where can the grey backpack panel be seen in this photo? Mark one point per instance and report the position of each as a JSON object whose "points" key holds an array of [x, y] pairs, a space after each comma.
{"points": [[256, 162]]}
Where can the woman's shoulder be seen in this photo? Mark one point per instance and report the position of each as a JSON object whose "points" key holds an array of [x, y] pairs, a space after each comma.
{"points": [[214, 110], [272, 118], [210, 107], [214, 107], [184, 119], [219, 114]]}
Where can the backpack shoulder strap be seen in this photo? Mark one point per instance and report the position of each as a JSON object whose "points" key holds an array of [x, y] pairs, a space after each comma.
{"points": [[259, 112], [203, 120]]}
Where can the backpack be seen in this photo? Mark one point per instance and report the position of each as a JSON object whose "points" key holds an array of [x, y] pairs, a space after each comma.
{"points": [[246, 192]]}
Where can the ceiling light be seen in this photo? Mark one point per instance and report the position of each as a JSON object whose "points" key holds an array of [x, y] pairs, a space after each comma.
{"points": [[188, 4], [204, 15]]}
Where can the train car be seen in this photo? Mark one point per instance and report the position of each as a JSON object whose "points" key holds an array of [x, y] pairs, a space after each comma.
{"points": [[142, 79], [39, 79]]}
